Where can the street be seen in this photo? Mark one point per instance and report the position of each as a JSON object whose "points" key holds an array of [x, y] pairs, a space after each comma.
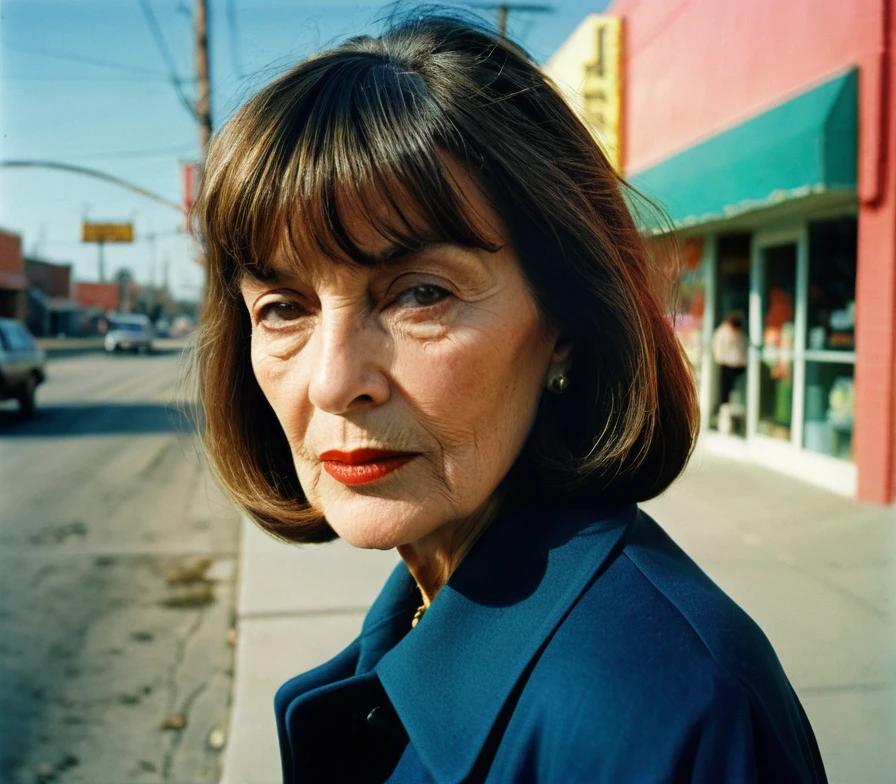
{"points": [[117, 569]]}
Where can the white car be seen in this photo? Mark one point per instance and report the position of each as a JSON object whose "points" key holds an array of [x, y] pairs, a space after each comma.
{"points": [[129, 331]]}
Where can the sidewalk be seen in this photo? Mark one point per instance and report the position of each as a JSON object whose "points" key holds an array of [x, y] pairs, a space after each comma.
{"points": [[297, 606], [815, 570]]}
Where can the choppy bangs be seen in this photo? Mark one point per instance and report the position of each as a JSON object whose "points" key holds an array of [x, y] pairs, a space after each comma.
{"points": [[358, 139]]}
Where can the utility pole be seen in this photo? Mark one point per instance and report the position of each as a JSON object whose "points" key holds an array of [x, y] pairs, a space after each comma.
{"points": [[203, 91], [503, 11]]}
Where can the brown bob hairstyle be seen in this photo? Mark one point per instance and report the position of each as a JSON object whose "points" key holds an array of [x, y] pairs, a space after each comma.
{"points": [[375, 120]]}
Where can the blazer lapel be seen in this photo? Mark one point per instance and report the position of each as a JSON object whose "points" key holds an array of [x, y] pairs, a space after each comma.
{"points": [[449, 678]]}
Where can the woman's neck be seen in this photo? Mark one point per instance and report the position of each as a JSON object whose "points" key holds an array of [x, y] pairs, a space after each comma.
{"points": [[432, 559]]}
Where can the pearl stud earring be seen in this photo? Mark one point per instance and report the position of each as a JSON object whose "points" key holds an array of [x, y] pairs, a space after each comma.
{"points": [[558, 383]]}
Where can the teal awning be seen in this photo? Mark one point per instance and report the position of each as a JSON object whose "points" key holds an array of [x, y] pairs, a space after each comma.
{"points": [[804, 146]]}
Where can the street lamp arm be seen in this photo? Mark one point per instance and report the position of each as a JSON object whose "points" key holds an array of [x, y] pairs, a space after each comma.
{"points": [[97, 174]]}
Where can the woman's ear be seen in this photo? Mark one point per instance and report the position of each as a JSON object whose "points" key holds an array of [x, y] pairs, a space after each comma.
{"points": [[557, 380], [560, 356]]}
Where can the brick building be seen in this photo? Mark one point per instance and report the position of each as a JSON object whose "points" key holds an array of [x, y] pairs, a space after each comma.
{"points": [[12, 276], [51, 310], [98, 296]]}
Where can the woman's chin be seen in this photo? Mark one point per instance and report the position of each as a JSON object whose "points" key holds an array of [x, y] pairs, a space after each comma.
{"points": [[366, 540], [378, 524]]}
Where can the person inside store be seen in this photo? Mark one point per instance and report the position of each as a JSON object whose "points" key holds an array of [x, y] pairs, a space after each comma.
{"points": [[729, 349], [430, 326]]}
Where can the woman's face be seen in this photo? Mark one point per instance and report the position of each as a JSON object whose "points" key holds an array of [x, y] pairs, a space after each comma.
{"points": [[406, 390]]}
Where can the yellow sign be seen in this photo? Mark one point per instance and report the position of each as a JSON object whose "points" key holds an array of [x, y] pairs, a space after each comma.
{"points": [[107, 232], [602, 89]]}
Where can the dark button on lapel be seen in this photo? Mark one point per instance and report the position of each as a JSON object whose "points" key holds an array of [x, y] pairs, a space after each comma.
{"points": [[382, 721]]}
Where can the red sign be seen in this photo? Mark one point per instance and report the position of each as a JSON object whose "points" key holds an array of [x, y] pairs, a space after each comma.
{"points": [[189, 171]]}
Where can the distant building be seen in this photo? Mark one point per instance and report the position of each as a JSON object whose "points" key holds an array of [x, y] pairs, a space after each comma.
{"points": [[766, 131], [97, 301], [98, 296], [51, 310], [12, 276]]}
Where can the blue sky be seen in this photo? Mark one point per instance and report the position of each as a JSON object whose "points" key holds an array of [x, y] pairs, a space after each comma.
{"points": [[84, 82]]}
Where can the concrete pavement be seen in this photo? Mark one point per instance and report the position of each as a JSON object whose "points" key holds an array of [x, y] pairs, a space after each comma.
{"points": [[815, 570], [296, 607]]}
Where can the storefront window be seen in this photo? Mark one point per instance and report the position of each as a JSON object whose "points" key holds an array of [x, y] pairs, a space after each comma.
{"points": [[691, 303], [830, 327], [776, 364], [832, 285], [776, 395], [829, 406]]}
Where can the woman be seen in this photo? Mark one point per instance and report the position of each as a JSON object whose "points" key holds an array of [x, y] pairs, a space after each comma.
{"points": [[430, 326]]}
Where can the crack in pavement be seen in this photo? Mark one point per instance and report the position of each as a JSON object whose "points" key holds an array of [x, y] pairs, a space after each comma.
{"points": [[177, 740], [172, 679]]}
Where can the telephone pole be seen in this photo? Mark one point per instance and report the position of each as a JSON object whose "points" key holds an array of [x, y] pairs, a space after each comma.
{"points": [[503, 11], [203, 91]]}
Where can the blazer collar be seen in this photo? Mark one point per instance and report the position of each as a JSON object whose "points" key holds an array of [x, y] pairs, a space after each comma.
{"points": [[449, 678]]}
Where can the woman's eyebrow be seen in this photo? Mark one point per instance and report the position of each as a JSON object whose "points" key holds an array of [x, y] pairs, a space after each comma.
{"points": [[390, 256], [395, 254], [265, 275]]}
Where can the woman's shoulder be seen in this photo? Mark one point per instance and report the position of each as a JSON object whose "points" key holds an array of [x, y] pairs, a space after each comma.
{"points": [[655, 672], [654, 607], [695, 606], [654, 655]]}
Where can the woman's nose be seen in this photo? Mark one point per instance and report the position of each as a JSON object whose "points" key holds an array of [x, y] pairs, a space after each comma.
{"points": [[349, 364]]}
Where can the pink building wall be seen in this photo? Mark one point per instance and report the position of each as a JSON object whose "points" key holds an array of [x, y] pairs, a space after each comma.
{"points": [[693, 68]]}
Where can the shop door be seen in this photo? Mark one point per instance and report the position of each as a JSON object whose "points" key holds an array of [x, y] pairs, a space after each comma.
{"points": [[728, 401], [773, 319]]}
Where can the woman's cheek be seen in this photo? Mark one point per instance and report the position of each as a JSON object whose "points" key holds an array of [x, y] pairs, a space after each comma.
{"points": [[448, 384], [271, 374], [438, 373], [282, 346]]}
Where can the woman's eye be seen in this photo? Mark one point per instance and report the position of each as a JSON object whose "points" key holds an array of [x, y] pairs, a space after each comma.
{"points": [[277, 313], [422, 296]]}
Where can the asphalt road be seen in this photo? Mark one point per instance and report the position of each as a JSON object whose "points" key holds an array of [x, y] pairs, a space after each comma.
{"points": [[117, 571]]}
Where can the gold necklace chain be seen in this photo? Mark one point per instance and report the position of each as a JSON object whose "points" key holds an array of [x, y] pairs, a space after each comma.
{"points": [[418, 615]]}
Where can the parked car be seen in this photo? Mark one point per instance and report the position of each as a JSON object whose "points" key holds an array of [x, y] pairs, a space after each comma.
{"points": [[129, 331], [181, 326], [163, 328], [22, 364]]}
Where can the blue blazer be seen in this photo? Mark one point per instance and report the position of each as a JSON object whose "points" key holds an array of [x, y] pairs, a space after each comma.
{"points": [[573, 646]]}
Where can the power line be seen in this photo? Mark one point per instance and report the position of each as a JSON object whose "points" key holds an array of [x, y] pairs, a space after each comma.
{"points": [[138, 238], [87, 60], [234, 38], [162, 46], [100, 175], [183, 149], [90, 79]]}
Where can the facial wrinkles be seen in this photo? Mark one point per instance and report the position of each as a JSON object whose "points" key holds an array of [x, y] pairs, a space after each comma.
{"points": [[486, 335], [466, 442]]}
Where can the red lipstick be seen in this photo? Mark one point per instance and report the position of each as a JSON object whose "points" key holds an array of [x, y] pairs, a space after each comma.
{"points": [[363, 465]]}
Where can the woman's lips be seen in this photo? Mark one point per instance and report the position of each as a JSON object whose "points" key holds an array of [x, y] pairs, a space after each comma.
{"points": [[363, 465]]}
